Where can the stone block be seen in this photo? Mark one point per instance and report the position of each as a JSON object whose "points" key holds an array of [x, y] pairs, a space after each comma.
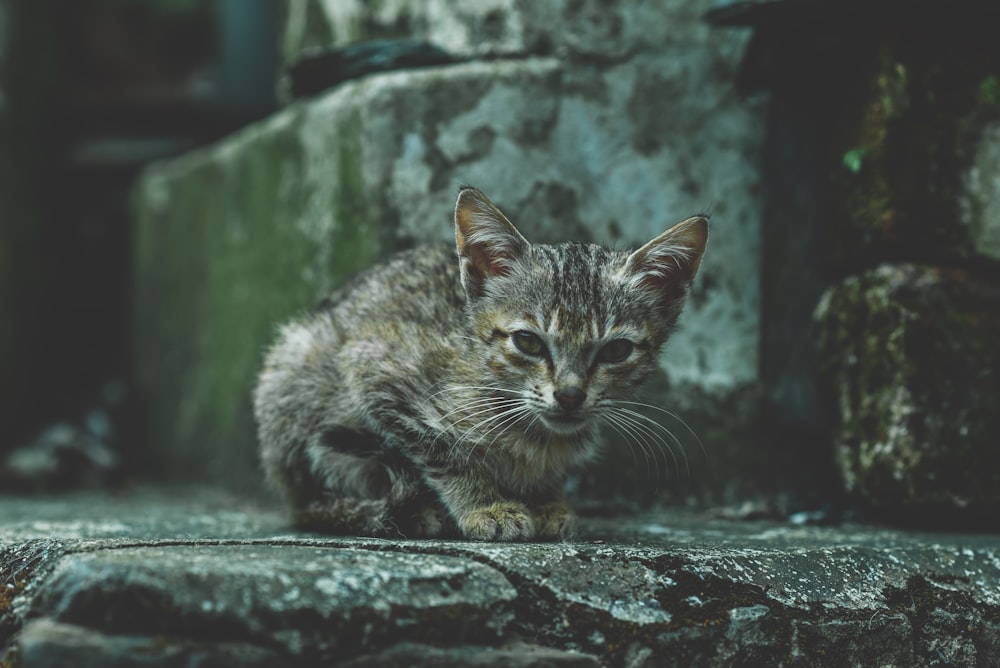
{"points": [[913, 368], [311, 606], [234, 239]]}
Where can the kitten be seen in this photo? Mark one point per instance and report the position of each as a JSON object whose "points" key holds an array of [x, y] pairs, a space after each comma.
{"points": [[436, 394]]}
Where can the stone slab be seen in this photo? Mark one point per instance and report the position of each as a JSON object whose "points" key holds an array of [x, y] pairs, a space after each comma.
{"points": [[634, 590], [309, 604], [47, 643]]}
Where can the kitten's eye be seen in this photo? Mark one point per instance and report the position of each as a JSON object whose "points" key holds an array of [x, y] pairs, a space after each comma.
{"points": [[615, 351], [528, 343]]}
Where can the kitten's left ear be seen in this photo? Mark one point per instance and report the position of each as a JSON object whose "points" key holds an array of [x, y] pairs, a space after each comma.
{"points": [[488, 244], [669, 262]]}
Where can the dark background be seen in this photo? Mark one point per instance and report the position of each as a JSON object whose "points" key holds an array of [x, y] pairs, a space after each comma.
{"points": [[94, 90]]}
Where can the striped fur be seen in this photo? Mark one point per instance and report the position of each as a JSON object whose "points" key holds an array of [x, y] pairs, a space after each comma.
{"points": [[412, 404]]}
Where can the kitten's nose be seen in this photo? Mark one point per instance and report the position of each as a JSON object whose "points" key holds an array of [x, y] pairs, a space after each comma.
{"points": [[570, 397]]}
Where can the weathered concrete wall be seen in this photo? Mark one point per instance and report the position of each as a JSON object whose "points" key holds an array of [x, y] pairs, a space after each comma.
{"points": [[231, 241], [882, 171], [612, 150], [467, 28]]}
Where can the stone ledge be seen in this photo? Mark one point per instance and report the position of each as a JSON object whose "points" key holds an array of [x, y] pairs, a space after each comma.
{"points": [[180, 576]]}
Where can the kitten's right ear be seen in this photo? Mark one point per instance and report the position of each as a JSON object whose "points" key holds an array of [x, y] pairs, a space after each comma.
{"points": [[668, 263], [488, 244]]}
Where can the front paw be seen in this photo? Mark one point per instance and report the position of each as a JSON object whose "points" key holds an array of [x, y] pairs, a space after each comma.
{"points": [[421, 520], [502, 521], [554, 521]]}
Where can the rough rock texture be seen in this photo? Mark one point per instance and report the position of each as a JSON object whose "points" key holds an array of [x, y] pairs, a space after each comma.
{"points": [[981, 198], [181, 578], [315, 604], [913, 364], [236, 238]]}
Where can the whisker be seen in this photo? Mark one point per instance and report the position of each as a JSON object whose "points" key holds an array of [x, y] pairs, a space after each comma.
{"points": [[639, 434], [463, 388], [497, 421], [507, 425], [484, 405], [670, 435], [500, 406], [675, 416], [489, 401], [611, 423], [657, 440]]}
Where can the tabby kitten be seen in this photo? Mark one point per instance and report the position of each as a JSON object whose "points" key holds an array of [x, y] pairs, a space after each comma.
{"points": [[436, 394]]}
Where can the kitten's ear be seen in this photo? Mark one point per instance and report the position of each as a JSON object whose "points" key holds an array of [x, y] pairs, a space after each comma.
{"points": [[488, 244], [668, 263]]}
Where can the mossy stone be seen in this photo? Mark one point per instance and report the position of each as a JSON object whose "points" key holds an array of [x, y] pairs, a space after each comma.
{"points": [[230, 242], [910, 357]]}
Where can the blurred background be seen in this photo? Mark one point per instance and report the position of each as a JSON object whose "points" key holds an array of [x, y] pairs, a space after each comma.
{"points": [[91, 91]]}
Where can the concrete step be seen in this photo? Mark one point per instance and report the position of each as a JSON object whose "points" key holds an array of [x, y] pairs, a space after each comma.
{"points": [[164, 577]]}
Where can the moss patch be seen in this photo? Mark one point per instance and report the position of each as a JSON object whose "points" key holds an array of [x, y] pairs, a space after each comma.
{"points": [[230, 243]]}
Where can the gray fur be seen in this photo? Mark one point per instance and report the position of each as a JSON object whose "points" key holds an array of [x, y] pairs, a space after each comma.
{"points": [[404, 406]]}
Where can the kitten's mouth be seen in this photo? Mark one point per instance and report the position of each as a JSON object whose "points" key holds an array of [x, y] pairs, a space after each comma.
{"points": [[563, 423]]}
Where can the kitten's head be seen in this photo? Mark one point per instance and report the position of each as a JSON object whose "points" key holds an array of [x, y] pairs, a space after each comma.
{"points": [[569, 328]]}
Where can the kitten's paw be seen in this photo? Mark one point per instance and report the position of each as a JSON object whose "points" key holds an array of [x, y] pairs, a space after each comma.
{"points": [[503, 521], [421, 521], [554, 521], [431, 521]]}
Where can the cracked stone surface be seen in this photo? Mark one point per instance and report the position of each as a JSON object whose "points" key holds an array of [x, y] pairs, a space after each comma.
{"points": [[193, 577]]}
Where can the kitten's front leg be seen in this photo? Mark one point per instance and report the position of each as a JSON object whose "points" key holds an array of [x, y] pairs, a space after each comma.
{"points": [[480, 511], [554, 520]]}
